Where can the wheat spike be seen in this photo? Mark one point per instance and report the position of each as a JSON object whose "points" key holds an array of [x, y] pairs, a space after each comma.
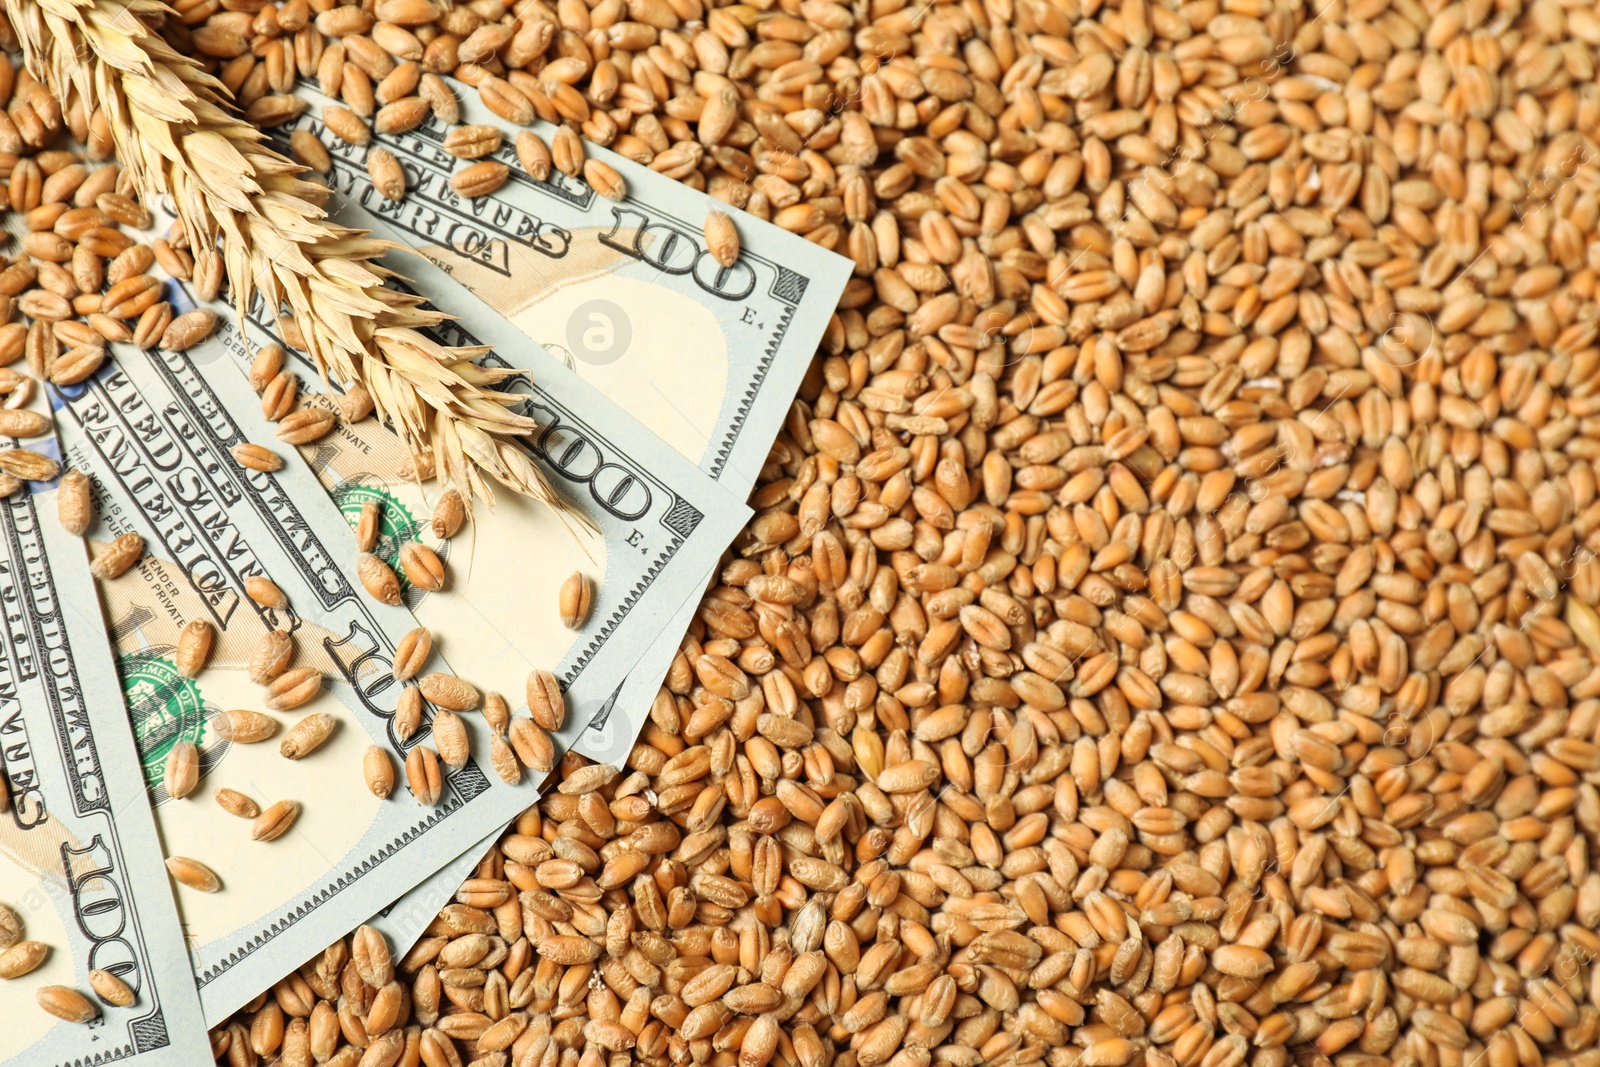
{"points": [[176, 136]]}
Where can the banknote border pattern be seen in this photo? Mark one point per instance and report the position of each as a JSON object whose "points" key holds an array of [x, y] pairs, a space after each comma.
{"points": [[730, 440]]}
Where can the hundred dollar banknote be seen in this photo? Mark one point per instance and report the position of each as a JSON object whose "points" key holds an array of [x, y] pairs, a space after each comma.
{"points": [[625, 295], [154, 432], [659, 525], [80, 862]]}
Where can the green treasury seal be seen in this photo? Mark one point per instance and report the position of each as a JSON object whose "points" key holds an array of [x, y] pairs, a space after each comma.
{"points": [[396, 527], [164, 707], [395, 524]]}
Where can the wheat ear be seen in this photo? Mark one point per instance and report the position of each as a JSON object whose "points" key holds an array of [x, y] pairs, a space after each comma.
{"points": [[175, 134]]}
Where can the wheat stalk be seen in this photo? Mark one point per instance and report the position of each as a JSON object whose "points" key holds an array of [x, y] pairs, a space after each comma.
{"points": [[176, 136]]}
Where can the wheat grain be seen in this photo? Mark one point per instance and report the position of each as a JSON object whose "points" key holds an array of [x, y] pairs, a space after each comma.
{"points": [[566, 152], [479, 179], [422, 565], [472, 142], [182, 772], [22, 422], [265, 591], [236, 803], [152, 325], [194, 647], [307, 425], [376, 576], [355, 403], [346, 125], [118, 556], [401, 116], [256, 457], [448, 514], [722, 238], [270, 657], [496, 712], [388, 176], [449, 692], [189, 329], [546, 701], [309, 152], [534, 155], [450, 739], [10, 928], [604, 179], [412, 653], [531, 744], [194, 874], [422, 775], [378, 770], [408, 712], [574, 600], [265, 366], [244, 727], [504, 759], [26, 464], [111, 989], [368, 526], [307, 735], [293, 688], [274, 821], [66, 1003], [279, 397], [22, 957]]}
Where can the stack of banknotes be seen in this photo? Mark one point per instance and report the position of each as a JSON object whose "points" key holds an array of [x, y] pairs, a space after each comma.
{"points": [[659, 379]]}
